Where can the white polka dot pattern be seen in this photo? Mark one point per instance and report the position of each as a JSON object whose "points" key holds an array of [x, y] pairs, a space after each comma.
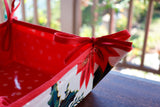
{"points": [[17, 80]]}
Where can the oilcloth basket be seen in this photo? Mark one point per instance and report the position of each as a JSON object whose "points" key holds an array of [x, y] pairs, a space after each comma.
{"points": [[45, 67]]}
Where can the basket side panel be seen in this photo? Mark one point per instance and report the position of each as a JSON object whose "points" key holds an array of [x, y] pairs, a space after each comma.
{"points": [[5, 56], [37, 48]]}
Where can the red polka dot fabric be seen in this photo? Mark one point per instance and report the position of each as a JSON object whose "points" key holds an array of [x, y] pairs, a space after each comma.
{"points": [[17, 80], [32, 59]]}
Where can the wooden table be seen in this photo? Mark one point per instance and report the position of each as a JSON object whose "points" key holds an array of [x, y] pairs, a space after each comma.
{"points": [[119, 90]]}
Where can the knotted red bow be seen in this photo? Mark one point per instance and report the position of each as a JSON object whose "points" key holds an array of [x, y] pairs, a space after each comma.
{"points": [[6, 42], [97, 50]]}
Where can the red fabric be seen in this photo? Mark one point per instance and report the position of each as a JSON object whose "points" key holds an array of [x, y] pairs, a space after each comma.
{"points": [[4, 55], [23, 100], [29, 51], [97, 50], [17, 80]]}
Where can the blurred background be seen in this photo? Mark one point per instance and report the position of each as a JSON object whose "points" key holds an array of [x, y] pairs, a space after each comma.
{"points": [[89, 18]]}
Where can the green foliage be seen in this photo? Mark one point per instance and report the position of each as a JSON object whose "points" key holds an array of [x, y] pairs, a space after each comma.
{"points": [[100, 31], [29, 19], [86, 16], [121, 23], [117, 5], [157, 6], [140, 11], [42, 17], [153, 41], [55, 24], [55, 14], [139, 16], [156, 15], [137, 40], [86, 31]]}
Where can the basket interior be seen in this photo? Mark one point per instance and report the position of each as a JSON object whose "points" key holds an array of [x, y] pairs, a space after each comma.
{"points": [[33, 59]]}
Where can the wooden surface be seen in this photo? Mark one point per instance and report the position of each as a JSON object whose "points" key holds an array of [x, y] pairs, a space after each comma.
{"points": [[118, 90]]}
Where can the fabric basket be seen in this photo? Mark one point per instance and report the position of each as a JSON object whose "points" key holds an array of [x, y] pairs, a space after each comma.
{"points": [[42, 66]]}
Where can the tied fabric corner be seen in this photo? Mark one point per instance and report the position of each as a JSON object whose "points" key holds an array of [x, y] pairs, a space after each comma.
{"points": [[102, 51]]}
